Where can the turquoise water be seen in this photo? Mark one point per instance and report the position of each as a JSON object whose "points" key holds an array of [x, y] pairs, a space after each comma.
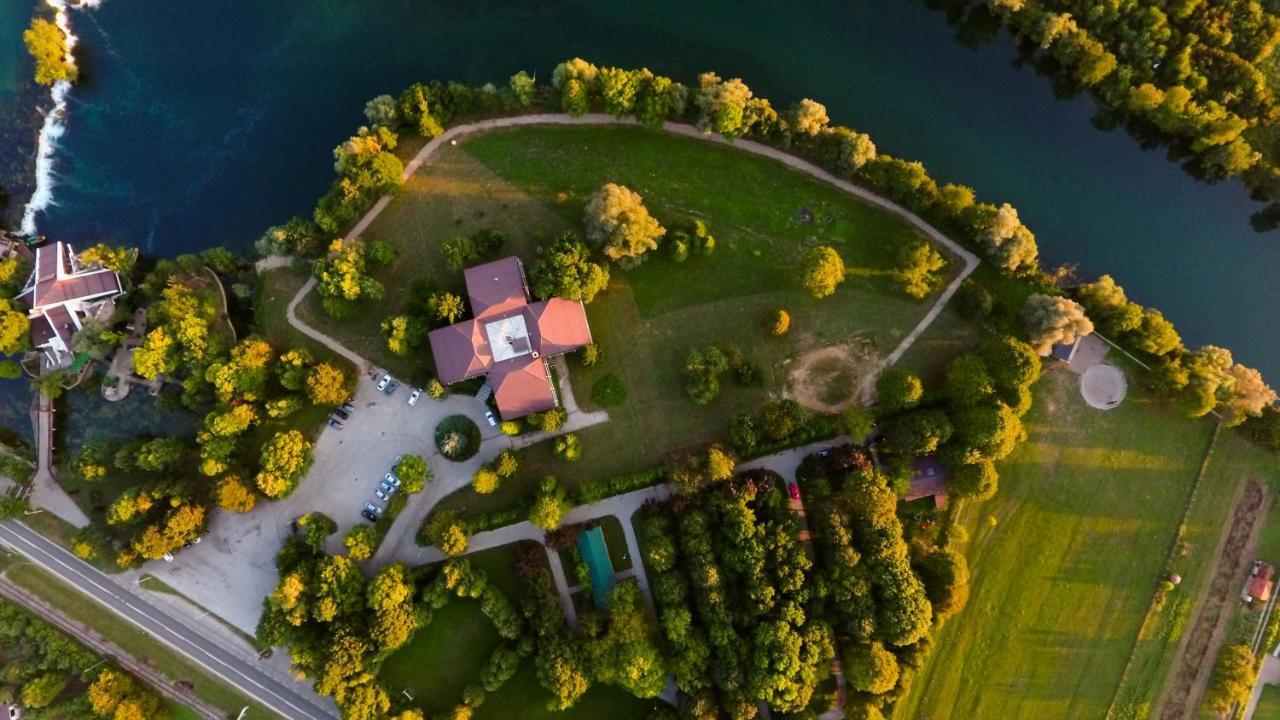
{"points": [[200, 123]]}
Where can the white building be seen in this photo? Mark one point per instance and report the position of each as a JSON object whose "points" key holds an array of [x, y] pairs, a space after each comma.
{"points": [[61, 294]]}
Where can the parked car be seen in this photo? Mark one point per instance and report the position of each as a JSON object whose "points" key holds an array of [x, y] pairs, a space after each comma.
{"points": [[333, 423], [384, 382], [391, 479], [488, 415], [348, 406], [398, 459], [15, 712], [793, 490], [413, 396], [342, 414], [374, 508], [382, 495], [168, 557], [369, 516], [392, 387]]}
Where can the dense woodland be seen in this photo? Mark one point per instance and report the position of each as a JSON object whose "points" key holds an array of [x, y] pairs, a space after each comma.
{"points": [[1202, 72]]}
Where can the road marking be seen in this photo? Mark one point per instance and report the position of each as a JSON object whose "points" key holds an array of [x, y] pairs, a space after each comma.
{"points": [[270, 697]]}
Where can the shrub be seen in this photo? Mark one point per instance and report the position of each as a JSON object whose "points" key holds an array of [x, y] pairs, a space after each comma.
{"points": [[568, 448], [974, 301], [550, 506], [778, 322], [457, 438], [485, 481], [702, 370], [823, 271], [609, 391]]}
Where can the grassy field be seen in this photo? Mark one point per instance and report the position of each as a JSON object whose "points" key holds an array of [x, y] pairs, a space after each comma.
{"points": [[443, 657], [1269, 704], [522, 698], [1065, 560], [138, 644]]}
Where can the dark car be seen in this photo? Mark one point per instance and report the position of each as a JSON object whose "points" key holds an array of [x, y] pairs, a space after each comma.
{"points": [[369, 516], [342, 414], [793, 490], [333, 423]]}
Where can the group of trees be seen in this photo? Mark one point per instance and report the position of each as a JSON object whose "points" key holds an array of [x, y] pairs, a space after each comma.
{"points": [[618, 224], [882, 595], [49, 675], [973, 422], [1197, 72], [703, 368], [343, 274], [734, 591], [1205, 380]]}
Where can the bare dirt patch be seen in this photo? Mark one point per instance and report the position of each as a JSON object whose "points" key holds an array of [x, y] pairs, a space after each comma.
{"points": [[830, 379], [1200, 648]]}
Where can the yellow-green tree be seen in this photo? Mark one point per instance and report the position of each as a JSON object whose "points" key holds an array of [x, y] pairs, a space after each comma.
{"points": [[618, 223], [327, 385], [14, 327], [823, 270], [48, 46], [284, 458], [234, 494]]}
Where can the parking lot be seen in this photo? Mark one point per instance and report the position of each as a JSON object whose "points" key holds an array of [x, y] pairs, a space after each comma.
{"points": [[234, 568]]}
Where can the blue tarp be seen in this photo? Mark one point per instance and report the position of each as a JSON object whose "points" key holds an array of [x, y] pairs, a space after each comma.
{"points": [[596, 555]]}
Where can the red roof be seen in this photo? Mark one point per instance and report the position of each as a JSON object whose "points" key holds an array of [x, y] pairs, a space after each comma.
{"points": [[56, 282], [521, 384], [1259, 588], [496, 287], [928, 478]]}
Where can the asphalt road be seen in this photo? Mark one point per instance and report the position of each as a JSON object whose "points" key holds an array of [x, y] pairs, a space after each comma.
{"points": [[239, 672]]}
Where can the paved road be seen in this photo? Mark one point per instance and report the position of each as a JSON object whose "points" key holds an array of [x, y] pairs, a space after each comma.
{"points": [[238, 671]]}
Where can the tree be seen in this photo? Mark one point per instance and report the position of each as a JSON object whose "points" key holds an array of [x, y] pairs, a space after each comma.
{"points": [[327, 385], [918, 266], [361, 541], [778, 322], [722, 105], [1108, 306], [618, 89], [524, 86], [446, 532], [414, 473], [823, 271], [978, 481], [1007, 241], [1054, 320], [382, 111], [158, 454], [782, 419], [945, 574], [14, 327], [48, 47], [918, 432], [809, 117], [989, 431], [550, 505], [234, 494], [42, 690], [561, 670], [446, 307], [898, 389], [856, 422], [1155, 335], [870, 668], [565, 269], [285, 457], [702, 370], [968, 382], [120, 259], [617, 222], [1233, 678], [485, 481]]}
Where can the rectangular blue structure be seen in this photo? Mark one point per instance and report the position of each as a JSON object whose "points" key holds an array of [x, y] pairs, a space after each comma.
{"points": [[596, 554]]}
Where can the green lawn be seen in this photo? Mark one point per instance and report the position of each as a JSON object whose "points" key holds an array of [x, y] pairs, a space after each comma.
{"points": [[522, 698], [443, 657], [127, 636], [1269, 704], [1065, 560]]}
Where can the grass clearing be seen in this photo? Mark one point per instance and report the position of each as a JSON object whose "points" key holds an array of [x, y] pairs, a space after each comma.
{"points": [[1065, 560], [133, 641], [522, 698], [443, 657], [1269, 704]]}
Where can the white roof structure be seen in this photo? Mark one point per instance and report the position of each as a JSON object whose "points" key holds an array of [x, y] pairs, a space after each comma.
{"points": [[508, 338]]}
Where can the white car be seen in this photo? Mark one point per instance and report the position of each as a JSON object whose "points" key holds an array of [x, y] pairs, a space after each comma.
{"points": [[168, 557], [488, 415], [413, 396], [384, 382]]}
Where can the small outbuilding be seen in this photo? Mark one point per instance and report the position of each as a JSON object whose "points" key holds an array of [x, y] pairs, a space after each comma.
{"points": [[1259, 584], [928, 479]]}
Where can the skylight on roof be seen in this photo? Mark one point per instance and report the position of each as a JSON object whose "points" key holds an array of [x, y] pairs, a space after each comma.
{"points": [[508, 338]]}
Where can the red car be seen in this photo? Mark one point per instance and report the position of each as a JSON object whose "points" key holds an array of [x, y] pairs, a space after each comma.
{"points": [[793, 490]]}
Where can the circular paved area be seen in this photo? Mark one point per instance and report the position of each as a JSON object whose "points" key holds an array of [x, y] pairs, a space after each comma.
{"points": [[1103, 386]]}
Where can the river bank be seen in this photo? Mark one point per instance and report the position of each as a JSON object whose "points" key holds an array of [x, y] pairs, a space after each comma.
{"points": [[22, 103]]}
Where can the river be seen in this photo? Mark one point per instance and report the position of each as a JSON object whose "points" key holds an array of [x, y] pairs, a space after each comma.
{"points": [[201, 123]]}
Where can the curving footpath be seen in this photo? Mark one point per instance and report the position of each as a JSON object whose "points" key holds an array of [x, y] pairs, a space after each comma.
{"points": [[237, 670]]}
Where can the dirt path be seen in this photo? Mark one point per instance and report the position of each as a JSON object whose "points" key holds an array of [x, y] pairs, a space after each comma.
{"points": [[1200, 648]]}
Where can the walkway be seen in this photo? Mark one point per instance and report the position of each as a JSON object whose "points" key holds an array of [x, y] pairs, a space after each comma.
{"points": [[45, 492]]}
